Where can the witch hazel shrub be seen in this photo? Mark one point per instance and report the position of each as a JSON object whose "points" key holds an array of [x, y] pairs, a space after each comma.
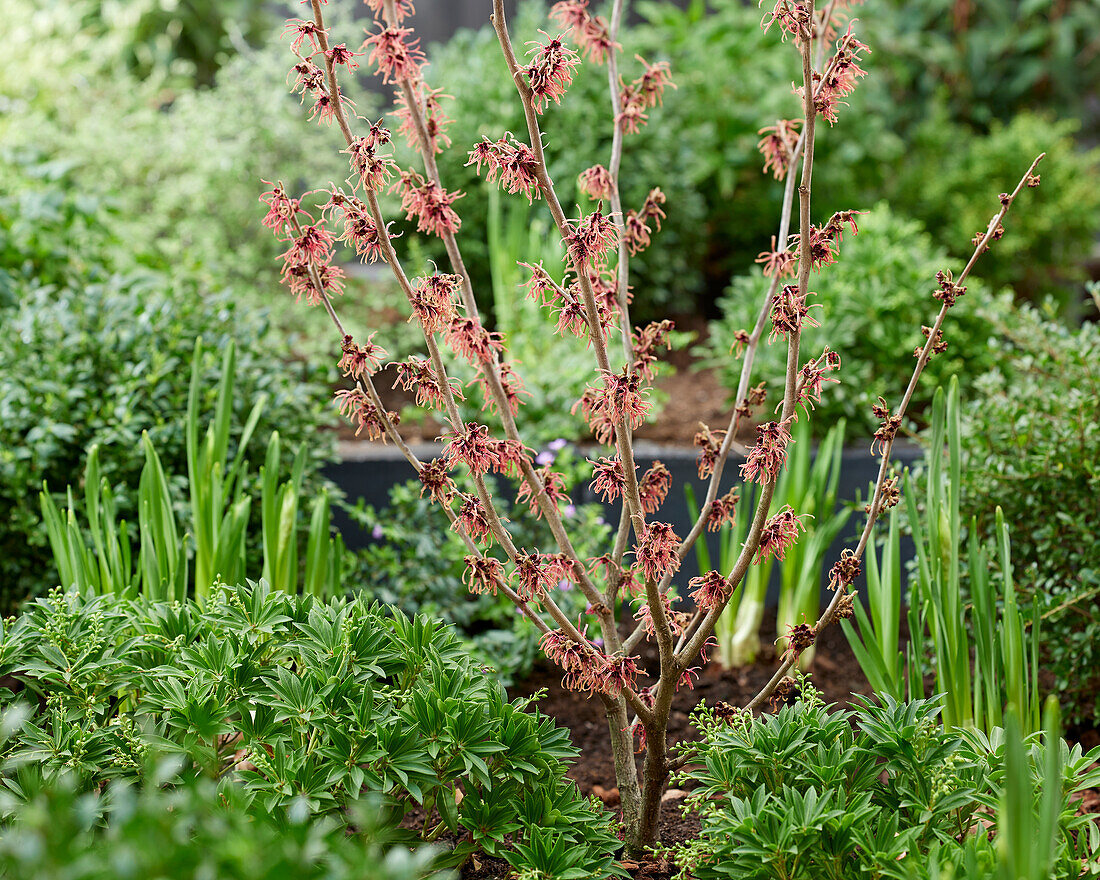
{"points": [[632, 590]]}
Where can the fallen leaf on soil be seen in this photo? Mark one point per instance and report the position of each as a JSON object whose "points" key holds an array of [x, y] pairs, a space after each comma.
{"points": [[609, 796]]}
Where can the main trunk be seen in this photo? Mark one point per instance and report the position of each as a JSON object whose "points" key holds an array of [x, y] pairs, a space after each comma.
{"points": [[641, 805]]}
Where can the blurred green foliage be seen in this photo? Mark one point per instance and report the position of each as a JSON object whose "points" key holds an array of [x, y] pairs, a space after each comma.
{"points": [[197, 830], [96, 350], [873, 301]]}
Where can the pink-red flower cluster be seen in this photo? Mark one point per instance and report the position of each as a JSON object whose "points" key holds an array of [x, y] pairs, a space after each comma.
{"points": [[372, 171], [436, 481], [767, 456], [644, 344], [722, 510], [637, 231], [779, 534], [840, 76], [436, 121], [710, 591], [609, 478], [710, 445], [361, 360], [358, 408], [416, 374], [513, 160], [472, 518], [483, 574], [551, 71], [790, 313], [307, 262], [778, 263], [676, 619], [590, 31], [813, 376], [535, 573], [653, 487], [595, 182], [551, 482], [656, 551], [432, 301], [474, 447], [621, 399], [359, 229], [467, 338], [429, 203], [589, 239], [304, 30], [642, 94], [395, 55], [402, 9], [777, 145]]}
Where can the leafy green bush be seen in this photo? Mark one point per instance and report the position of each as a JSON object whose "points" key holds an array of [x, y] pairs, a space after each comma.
{"points": [[882, 791], [947, 188], [700, 146], [873, 301], [989, 59], [194, 831], [308, 705], [1032, 437], [101, 362], [180, 171]]}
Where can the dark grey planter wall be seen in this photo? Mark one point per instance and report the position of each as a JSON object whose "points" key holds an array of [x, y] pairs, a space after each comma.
{"points": [[369, 471]]}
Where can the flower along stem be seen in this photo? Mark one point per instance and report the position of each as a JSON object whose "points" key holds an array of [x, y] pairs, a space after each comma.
{"points": [[591, 300]]}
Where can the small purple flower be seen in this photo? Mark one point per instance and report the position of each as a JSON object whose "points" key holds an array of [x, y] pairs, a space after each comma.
{"points": [[600, 520], [598, 642], [544, 458], [565, 585], [570, 511], [556, 445], [377, 532]]}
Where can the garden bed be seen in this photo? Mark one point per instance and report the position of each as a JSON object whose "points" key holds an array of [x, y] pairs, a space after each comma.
{"points": [[836, 673]]}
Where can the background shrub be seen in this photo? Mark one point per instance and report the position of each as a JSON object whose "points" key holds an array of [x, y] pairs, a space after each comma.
{"points": [[874, 300], [97, 348], [194, 831], [1032, 437], [919, 145]]}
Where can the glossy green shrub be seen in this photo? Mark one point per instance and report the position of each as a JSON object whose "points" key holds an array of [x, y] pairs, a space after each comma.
{"points": [[1032, 436], [881, 791], [308, 706], [873, 302], [946, 178], [989, 59]]}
